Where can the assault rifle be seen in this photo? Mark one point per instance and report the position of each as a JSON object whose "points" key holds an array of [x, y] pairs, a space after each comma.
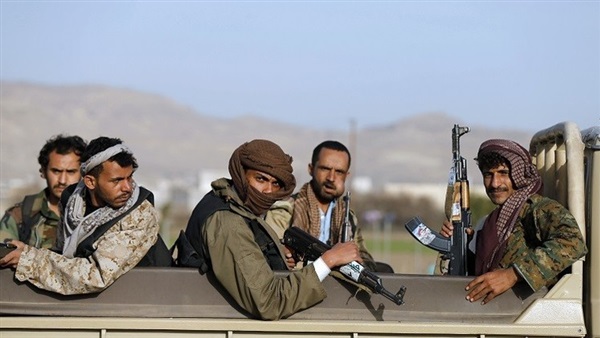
{"points": [[309, 248], [458, 211], [347, 230]]}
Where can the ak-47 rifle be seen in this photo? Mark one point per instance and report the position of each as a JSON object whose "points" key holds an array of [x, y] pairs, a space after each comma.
{"points": [[309, 248], [347, 229], [458, 211]]}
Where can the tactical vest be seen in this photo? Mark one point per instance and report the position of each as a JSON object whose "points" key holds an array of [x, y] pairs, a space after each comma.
{"points": [[191, 251], [157, 255], [29, 217]]}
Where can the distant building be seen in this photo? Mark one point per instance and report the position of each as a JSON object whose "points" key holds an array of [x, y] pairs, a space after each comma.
{"points": [[362, 184], [205, 178]]}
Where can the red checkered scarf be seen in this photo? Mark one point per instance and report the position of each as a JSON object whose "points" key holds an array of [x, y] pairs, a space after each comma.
{"points": [[527, 182]]}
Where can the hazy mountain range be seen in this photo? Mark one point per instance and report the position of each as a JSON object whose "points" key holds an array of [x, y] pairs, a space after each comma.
{"points": [[171, 140]]}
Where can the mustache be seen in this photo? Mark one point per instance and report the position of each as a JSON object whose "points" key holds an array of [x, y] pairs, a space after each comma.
{"points": [[125, 196], [329, 185], [495, 190]]}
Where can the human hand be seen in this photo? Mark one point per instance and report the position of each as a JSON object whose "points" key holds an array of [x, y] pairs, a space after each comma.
{"points": [[491, 284], [342, 253], [448, 229], [12, 258], [289, 258]]}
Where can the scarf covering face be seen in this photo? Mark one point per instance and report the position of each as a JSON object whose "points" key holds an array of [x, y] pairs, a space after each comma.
{"points": [[269, 158], [308, 218], [78, 226], [500, 223]]}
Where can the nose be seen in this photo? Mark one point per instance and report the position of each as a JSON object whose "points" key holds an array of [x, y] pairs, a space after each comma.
{"points": [[127, 185], [496, 181], [62, 178], [268, 188], [331, 175]]}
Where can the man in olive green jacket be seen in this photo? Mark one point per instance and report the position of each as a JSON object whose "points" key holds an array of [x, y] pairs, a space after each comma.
{"points": [[261, 173]]}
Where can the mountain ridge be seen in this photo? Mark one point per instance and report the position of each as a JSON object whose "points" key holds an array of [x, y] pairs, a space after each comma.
{"points": [[171, 140]]}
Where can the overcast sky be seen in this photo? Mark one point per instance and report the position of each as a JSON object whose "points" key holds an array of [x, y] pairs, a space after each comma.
{"points": [[502, 64]]}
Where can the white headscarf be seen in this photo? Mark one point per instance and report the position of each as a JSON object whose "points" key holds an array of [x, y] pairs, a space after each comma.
{"points": [[77, 227]]}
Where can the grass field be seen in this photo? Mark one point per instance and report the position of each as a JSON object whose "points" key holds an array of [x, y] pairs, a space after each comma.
{"points": [[401, 251], [396, 248]]}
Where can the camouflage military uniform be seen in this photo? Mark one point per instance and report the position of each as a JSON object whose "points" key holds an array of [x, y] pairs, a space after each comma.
{"points": [[545, 240], [118, 250], [43, 231]]}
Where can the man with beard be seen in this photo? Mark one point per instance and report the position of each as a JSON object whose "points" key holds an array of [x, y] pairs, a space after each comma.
{"points": [[108, 226], [35, 220], [228, 229], [528, 237], [318, 208]]}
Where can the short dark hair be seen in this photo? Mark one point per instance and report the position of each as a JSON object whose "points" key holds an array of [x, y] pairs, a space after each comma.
{"points": [[63, 145], [102, 143], [329, 144], [491, 159]]}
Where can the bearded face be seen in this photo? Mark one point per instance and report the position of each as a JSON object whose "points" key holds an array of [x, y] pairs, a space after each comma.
{"points": [[329, 174]]}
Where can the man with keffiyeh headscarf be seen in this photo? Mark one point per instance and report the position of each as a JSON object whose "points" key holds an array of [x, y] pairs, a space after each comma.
{"points": [[319, 208], [528, 237], [228, 228], [108, 226]]}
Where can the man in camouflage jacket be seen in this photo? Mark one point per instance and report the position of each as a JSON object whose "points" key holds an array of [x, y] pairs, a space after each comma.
{"points": [[108, 225], [34, 220], [528, 237]]}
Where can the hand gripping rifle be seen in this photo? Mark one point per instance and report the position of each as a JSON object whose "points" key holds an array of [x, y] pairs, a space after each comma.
{"points": [[458, 211], [347, 230], [310, 249]]}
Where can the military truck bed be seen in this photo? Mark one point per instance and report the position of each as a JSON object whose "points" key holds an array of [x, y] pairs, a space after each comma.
{"points": [[175, 302]]}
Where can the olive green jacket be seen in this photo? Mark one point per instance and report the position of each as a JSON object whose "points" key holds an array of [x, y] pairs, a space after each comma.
{"points": [[240, 266]]}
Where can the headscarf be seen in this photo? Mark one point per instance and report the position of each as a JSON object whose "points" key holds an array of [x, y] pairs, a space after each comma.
{"points": [[527, 182], [307, 215], [77, 225], [267, 157]]}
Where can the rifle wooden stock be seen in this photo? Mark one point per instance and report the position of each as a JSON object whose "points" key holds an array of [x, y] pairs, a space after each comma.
{"points": [[458, 211]]}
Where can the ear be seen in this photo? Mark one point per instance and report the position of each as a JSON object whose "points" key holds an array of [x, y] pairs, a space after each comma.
{"points": [[310, 169], [43, 173], [89, 181]]}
